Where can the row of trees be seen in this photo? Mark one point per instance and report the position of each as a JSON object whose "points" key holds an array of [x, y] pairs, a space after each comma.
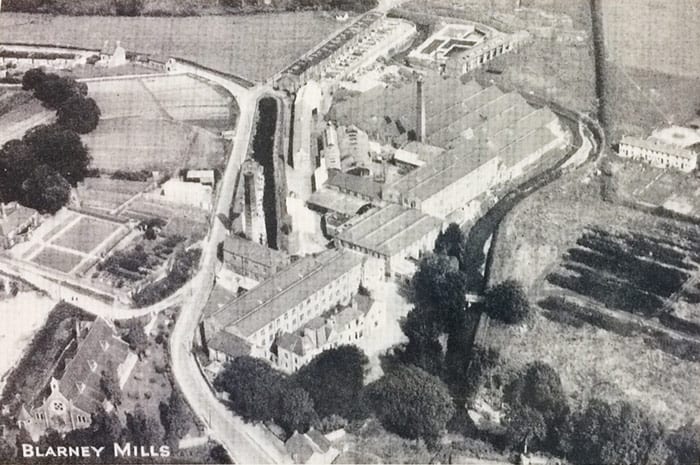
{"points": [[328, 392], [39, 170], [75, 110], [620, 433]]}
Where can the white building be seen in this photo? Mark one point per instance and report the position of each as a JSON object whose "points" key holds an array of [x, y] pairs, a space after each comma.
{"points": [[186, 193], [658, 154]]}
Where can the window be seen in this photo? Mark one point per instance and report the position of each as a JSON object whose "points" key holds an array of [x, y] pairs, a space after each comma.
{"points": [[58, 406]]}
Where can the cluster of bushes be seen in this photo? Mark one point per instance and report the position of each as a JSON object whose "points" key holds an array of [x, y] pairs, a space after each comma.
{"points": [[36, 55], [539, 418], [184, 264], [76, 111], [142, 176]]}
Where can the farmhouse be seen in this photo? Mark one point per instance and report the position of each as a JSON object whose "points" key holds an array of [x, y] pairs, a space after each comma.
{"points": [[112, 55], [16, 223], [658, 154], [253, 260], [285, 302], [393, 234], [77, 394]]}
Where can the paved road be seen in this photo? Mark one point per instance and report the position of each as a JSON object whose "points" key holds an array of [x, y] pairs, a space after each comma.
{"points": [[245, 443]]}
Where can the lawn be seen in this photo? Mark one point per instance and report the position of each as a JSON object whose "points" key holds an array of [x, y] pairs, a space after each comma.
{"points": [[57, 259], [86, 234], [251, 46], [19, 111]]}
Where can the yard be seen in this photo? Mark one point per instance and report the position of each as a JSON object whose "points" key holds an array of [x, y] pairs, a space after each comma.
{"points": [[59, 260], [611, 284], [19, 112], [251, 46], [86, 234]]}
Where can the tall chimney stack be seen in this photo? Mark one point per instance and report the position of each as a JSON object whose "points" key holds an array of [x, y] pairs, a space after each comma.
{"points": [[420, 110]]}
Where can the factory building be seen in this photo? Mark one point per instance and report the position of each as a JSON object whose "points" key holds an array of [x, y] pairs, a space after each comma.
{"points": [[658, 154]]}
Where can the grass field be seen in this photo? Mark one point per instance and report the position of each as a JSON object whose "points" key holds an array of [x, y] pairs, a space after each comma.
{"points": [[653, 65], [19, 111], [86, 234], [57, 259], [254, 47], [536, 240]]}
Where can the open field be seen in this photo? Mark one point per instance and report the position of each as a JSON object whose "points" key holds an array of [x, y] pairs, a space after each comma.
{"points": [[653, 63], [254, 47], [654, 34], [19, 111], [672, 190], [181, 98], [20, 326], [135, 144], [615, 286]]}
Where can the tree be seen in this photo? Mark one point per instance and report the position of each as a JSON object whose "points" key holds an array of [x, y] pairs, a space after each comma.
{"points": [[128, 7], [525, 428], [32, 78], [46, 190], [61, 149], [684, 445], [136, 337], [78, 113], [613, 434], [143, 430], [423, 348], [54, 90], [452, 242], [17, 163], [438, 284], [538, 387], [219, 455], [507, 302], [411, 403], [109, 385], [253, 386], [295, 411], [7, 452], [334, 380], [175, 418]]}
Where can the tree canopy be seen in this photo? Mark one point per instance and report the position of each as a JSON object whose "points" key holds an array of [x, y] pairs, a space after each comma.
{"points": [[142, 429], [438, 284], [79, 113], [334, 380], [109, 384], [452, 242], [253, 386], [295, 411], [61, 149], [175, 418], [411, 403], [46, 190], [507, 302], [17, 164]]}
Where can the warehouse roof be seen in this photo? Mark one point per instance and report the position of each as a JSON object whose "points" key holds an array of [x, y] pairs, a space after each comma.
{"points": [[361, 185], [390, 229], [659, 147], [273, 297]]}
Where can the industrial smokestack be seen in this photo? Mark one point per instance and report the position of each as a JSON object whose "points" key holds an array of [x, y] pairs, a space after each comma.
{"points": [[420, 110]]}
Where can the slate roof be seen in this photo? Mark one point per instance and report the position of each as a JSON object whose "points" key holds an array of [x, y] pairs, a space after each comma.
{"points": [[230, 344], [659, 146], [101, 350], [390, 229], [253, 251], [362, 185], [291, 286]]}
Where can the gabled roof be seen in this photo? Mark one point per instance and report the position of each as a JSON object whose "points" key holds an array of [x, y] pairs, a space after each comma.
{"points": [[303, 446], [253, 251], [102, 349], [362, 185], [652, 144], [229, 343], [16, 216], [389, 230]]}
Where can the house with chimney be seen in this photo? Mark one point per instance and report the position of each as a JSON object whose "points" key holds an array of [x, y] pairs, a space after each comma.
{"points": [[112, 55], [75, 394], [16, 223]]}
